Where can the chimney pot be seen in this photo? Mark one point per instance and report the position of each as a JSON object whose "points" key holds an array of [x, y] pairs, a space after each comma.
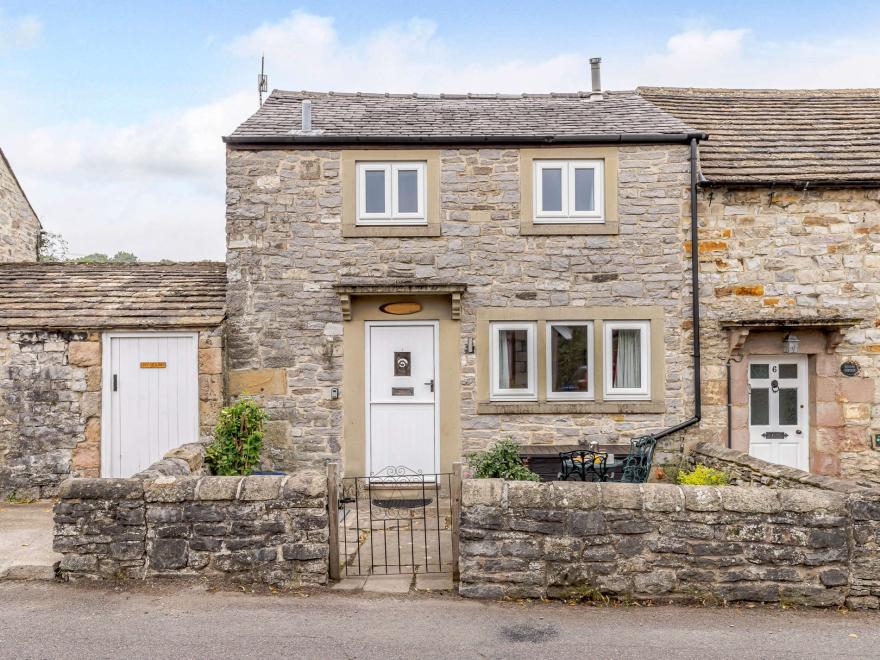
{"points": [[595, 74], [306, 116]]}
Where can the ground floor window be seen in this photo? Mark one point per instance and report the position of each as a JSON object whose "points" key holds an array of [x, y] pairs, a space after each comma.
{"points": [[596, 354], [627, 359], [513, 360]]}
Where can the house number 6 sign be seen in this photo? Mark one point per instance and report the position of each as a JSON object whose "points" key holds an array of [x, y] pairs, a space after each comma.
{"points": [[402, 366]]}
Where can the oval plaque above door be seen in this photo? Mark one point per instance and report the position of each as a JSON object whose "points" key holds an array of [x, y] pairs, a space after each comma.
{"points": [[401, 308]]}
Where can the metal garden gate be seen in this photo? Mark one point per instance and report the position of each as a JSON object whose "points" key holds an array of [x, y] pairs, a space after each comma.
{"points": [[396, 521]]}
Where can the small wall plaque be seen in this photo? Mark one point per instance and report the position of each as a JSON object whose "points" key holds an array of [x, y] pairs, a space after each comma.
{"points": [[402, 363], [850, 368], [153, 365], [402, 391], [401, 308]]}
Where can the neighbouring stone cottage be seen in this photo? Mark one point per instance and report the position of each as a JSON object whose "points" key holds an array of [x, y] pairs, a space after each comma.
{"points": [[19, 224], [104, 367], [789, 247]]}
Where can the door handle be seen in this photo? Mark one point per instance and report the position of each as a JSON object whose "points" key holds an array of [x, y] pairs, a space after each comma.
{"points": [[115, 383], [430, 383]]}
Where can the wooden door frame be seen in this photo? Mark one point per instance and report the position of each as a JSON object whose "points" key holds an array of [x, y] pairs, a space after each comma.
{"points": [[368, 326], [106, 379]]}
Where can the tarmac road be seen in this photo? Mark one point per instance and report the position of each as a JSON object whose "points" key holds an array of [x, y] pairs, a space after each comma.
{"points": [[161, 620]]}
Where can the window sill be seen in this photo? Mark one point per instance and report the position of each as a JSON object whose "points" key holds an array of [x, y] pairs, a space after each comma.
{"points": [[390, 231], [576, 407], [569, 228]]}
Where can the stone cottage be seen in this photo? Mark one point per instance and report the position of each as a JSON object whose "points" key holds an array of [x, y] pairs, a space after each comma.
{"points": [[411, 278], [104, 367], [19, 224], [789, 251]]}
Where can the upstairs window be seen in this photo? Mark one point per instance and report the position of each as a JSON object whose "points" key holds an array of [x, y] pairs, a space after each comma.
{"points": [[391, 193], [569, 191]]}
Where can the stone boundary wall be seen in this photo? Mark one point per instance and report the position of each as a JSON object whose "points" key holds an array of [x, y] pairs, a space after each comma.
{"points": [[260, 529], [670, 543], [186, 460], [745, 470]]}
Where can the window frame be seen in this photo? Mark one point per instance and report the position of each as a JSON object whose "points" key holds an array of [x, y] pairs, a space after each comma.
{"points": [[568, 214], [391, 216], [506, 394], [590, 393], [610, 392]]}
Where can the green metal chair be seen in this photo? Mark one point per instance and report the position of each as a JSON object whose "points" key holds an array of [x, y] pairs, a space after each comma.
{"points": [[637, 464]]}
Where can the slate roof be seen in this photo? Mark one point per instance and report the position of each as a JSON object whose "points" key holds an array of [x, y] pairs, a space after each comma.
{"points": [[360, 117], [781, 136], [120, 296]]}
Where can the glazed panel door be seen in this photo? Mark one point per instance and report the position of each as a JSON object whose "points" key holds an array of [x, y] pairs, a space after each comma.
{"points": [[778, 412]]}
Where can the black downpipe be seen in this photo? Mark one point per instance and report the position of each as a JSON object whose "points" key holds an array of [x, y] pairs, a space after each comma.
{"points": [[695, 302]]}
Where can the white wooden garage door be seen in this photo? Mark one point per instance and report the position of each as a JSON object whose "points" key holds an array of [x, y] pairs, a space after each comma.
{"points": [[150, 398]]}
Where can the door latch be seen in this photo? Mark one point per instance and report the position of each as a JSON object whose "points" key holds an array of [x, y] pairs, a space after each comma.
{"points": [[115, 383], [430, 383]]}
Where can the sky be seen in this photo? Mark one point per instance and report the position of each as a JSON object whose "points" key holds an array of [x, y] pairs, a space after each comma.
{"points": [[112, 113]]}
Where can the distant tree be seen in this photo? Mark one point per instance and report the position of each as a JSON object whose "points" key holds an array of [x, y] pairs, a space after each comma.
{"points": [[101, 258], [53, 247]]}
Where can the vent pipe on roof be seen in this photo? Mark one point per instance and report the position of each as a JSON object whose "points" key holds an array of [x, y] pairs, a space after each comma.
{"points": [[596, 92], [306, 116]]}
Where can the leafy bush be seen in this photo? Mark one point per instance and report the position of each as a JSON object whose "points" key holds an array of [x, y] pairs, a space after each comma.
{"points": [[238, 439], [501, 462], [703, 476]]}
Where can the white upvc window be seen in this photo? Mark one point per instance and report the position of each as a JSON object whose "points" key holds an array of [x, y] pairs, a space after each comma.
{"points": [[391, 193], [570, 366], [627, 362], [569, 191], [512, 361]]}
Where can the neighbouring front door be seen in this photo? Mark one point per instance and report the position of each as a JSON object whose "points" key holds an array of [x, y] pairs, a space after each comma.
{"points": [[401, 391], [151, 399], [778, 411]]}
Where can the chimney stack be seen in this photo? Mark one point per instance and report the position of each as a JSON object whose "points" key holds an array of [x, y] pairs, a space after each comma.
{"points": [[596, 92], [306, 116]]}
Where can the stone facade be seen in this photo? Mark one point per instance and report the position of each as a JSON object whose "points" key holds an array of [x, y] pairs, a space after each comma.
{"points": [[665, 543], [50, 405], [286, 251], [251, 530], [19, 225], [786, 253]]}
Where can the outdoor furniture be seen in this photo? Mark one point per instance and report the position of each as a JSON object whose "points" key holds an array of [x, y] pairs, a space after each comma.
{"points": [[544, 459], [586, 464], [637, 464]]}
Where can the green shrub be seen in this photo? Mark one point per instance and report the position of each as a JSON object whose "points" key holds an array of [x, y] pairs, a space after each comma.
{"points": [[702, 475], [238, 439], [501, 462]]}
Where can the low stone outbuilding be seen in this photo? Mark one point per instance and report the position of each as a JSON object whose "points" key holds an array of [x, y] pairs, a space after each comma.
{"points": [[105, 367]]}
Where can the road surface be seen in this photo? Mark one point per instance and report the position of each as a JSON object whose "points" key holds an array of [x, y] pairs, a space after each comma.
{"points": [[150, 620]]}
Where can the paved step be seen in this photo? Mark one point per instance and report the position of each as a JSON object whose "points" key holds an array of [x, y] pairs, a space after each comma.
{"points": [[26, 542]]}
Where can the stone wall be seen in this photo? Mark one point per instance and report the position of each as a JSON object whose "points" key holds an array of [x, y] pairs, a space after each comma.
{"points": [[669, 543], [745, 470], [261, 530], [19, 225], [286, 250], [50, 405], [786, 253]]}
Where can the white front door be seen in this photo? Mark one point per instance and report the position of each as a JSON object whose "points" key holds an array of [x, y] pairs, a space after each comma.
{"points": [[401, 391], [778, 419], [150, 398]]}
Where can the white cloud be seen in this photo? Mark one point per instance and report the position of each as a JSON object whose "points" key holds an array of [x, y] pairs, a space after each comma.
{"points": [[19, 32], [156, 188]]}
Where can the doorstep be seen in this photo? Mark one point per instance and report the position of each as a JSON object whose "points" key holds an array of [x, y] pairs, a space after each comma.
{"points": [[26, 532]]}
